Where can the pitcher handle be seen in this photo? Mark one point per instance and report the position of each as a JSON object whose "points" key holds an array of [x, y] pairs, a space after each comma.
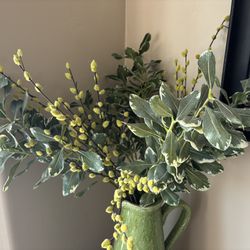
{"points": [[180, 225]]}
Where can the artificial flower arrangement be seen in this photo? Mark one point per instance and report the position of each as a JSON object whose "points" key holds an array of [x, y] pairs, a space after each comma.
{"points": [[149, 142]]}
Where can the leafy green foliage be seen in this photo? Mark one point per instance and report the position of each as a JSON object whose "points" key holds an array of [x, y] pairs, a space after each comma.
{"points": [[193, 133]]}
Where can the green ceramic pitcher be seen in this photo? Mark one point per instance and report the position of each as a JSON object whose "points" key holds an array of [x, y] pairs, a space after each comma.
{"points": [[145, 225]]}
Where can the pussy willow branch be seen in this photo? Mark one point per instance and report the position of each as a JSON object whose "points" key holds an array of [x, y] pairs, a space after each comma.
{"points": [[21, 88], [22, 67], [214, 37]]}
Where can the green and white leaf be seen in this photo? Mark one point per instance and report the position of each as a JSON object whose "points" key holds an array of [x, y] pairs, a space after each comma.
{"points": [[197, 180], [92, 160], [28, 165], [228, 113], [3, 81], [141, 108], [203, 95], [150, 155], [168, 98], [188, 105], [141, 130], [238, 139], [71, 181], [160, 172], [159, 107], [214, 131], [169, 149], [56, 166], [45, 177], [196, 140], [170, 197], [40, 135], [210, 168], [244, 114], [4, 157], [11, 175], [190, 122], [201, 156], [183, 151], [136, 167], [206, 64], [85, 190]]}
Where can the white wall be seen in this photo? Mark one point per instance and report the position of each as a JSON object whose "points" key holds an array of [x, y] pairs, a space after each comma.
{"points": [[220, 216], [51, 33]]}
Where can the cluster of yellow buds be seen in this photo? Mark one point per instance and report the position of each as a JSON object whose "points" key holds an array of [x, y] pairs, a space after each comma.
{"points": [[106, 244], [61, 139], [73, 167], [30, 144], [54, 110], [18, 57], [76, 121], [120, 227]]}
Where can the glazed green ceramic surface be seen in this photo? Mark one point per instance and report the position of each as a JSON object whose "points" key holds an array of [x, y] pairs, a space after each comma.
{"points": [[145, 225]]}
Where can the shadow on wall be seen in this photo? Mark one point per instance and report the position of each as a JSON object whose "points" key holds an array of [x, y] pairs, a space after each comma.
{"points": [[44, 219]]}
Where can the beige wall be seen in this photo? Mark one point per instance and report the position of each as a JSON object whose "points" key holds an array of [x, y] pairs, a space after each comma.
{"points": [[220, 216], [51, 33]]}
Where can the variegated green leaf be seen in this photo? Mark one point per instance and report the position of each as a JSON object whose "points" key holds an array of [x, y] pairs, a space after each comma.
{"points": [[183, 151], [210, 168], [150, 155], [201, 156], [11, 175], [214, 131], [203, 95], [136, 167], [159, 107], [196, 140], [141, 130], [92, 160], [141, 107], [160, 172], [45, 177], [168, 98], [228, 113], [197, 180], [170, 197], [169, 149], [177, 172], [85, 190], [40, 135], [244, 114], [189, 122], [56, 166], [188, 105], [71, 181], [4, 156], [206, 64], [238, 139]]}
